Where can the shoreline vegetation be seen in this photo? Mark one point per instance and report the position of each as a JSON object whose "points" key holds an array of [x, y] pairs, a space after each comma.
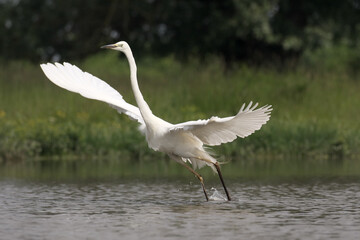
{"points": [[315, 108]]}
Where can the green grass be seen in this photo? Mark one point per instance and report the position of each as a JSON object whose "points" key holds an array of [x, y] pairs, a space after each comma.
{"points": [[316, 113]]}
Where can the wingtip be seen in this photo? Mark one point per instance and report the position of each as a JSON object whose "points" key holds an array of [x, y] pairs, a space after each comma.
{"points": [[44, 66]]}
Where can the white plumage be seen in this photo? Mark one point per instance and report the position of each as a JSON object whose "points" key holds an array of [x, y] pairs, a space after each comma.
{"points": [[183, 142], [216, 131], [73, 79]]}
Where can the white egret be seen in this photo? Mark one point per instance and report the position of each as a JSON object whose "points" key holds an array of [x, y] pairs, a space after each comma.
{"points": [[183, 142]]}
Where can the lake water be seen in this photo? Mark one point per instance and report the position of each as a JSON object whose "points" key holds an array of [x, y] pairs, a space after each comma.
{"points": [[168, 208]]}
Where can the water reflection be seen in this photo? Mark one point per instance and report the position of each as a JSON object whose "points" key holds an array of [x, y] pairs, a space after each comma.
{"points": [[110, 169]]}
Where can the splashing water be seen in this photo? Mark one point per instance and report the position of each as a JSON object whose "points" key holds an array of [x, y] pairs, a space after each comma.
{"points": [[216, 195]]}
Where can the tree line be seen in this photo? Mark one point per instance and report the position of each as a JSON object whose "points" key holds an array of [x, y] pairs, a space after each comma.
{"points": [[251, 30]]}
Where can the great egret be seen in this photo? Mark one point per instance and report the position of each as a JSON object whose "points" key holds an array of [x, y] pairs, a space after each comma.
{"points": [[183, 142]]}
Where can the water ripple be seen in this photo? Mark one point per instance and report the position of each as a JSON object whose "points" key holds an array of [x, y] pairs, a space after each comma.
{"points": [[174, 210]]}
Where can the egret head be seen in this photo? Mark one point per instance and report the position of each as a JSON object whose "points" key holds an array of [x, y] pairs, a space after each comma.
{"points": [[121, 46]]}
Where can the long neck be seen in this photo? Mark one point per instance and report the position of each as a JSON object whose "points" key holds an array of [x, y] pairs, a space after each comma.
{"points": [[143, 106]]}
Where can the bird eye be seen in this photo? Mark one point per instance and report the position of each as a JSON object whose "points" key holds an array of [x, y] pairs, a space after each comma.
{"points": [[121, 45]]}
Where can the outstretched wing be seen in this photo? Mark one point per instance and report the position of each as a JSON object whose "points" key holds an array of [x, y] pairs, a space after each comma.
{"points": [[72, 78], [215, 131]]}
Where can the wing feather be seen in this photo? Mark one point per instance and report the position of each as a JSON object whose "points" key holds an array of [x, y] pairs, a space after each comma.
{"points": [[72, 78], [215, 131]]}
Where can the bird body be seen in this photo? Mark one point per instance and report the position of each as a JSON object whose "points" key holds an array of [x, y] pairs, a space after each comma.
{"points": [[183, 142]]}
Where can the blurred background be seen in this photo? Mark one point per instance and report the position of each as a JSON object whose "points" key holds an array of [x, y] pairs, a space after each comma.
{"points": [[195, 59], [251, 31]]}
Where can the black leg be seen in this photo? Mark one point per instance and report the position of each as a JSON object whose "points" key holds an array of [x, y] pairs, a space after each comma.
{"points": [[222, 181]]}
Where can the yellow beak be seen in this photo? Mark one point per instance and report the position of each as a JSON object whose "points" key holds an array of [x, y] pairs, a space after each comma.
{"points": [[110, 46]]}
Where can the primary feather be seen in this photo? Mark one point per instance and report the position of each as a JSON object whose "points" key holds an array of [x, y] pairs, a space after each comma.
{"points": [[72, 78], [215, 131]]}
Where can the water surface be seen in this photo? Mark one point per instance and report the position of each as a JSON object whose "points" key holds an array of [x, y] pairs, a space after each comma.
{"points": [[167, 208]]}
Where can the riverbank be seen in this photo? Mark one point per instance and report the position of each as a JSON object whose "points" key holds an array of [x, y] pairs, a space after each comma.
{"points": [[315, 109]]}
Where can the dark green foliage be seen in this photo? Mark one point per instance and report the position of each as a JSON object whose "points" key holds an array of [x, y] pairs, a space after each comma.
{"points": [[256, 31]]}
